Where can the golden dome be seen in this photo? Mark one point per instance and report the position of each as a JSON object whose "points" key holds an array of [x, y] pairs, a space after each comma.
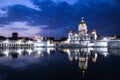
{"points": [[82, 23]]}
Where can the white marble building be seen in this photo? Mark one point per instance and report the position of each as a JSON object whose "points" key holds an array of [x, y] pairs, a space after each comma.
{"points": [[82, 37]]}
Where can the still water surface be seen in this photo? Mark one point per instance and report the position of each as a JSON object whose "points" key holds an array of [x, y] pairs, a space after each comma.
{"points": [[60, 64]]}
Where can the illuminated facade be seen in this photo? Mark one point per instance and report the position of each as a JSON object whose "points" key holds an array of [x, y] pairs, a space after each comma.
{"points": [[82, 38], [24, 44]]}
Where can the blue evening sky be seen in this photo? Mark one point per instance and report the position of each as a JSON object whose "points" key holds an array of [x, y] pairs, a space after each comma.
{"points": [[30, 17]]}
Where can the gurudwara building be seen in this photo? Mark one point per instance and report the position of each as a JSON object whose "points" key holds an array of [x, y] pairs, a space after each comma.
{"points": [[82, 37]]}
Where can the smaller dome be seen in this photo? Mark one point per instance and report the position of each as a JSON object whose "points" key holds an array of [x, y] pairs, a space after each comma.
{"points": [[93, 31], [71, 31]]}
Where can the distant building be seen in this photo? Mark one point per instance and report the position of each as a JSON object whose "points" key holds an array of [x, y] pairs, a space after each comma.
{"points": [[15, 35], [2, 38], [37, 37]]}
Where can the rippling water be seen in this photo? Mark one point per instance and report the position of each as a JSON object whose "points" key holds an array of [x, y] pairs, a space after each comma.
{"points": [[60, 64]]}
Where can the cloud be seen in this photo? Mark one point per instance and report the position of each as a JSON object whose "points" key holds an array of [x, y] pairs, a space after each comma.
{"points": [[71, 2], [22, 28], [88, 2], [27, 3], [7, 3], [3, 13]]}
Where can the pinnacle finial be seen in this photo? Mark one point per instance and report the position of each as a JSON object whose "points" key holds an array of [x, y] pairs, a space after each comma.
{"points": [[82, 18]]}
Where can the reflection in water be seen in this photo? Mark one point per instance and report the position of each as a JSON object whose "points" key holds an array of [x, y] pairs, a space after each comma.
{"points": [[82, 55], [21, 58], [15, 53]]}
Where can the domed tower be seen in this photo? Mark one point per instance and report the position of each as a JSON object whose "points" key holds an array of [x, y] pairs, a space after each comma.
{"points": [[93, 35], [70, 33], [82, 28]]}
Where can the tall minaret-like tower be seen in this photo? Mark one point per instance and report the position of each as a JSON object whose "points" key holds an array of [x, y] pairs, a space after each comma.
{"points": [[82, 28]]}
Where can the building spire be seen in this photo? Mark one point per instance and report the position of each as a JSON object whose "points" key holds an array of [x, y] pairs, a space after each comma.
{"points": [[82, 19]]}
